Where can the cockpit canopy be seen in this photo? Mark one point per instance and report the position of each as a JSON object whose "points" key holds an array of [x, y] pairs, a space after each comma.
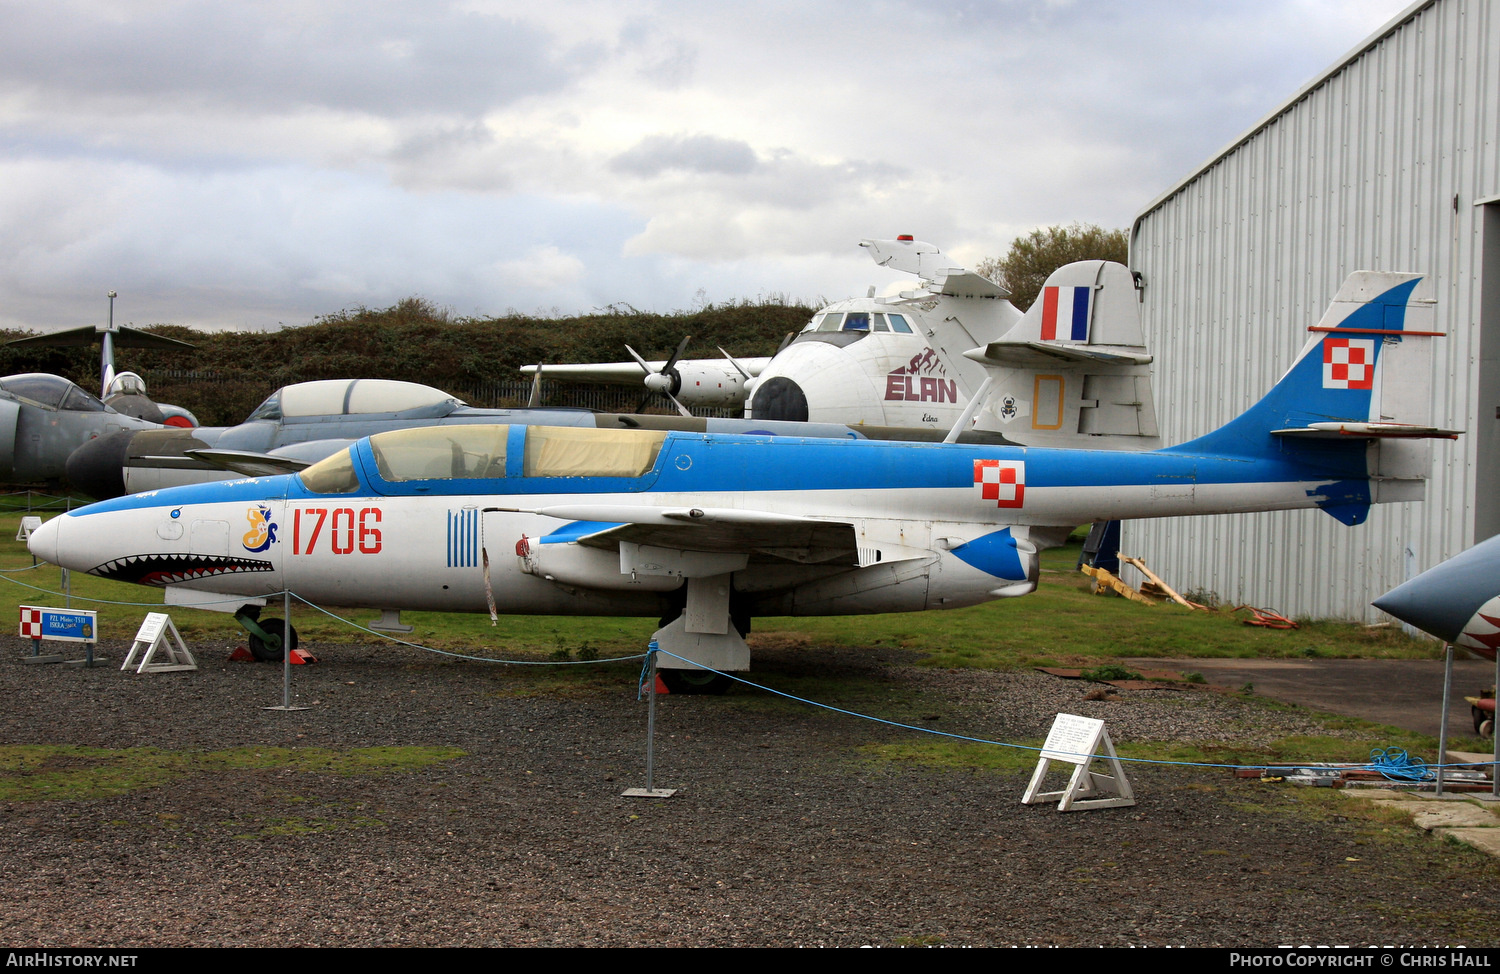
{"points": [[858, 321], [52, 392], [350, 397], [438, 453]]}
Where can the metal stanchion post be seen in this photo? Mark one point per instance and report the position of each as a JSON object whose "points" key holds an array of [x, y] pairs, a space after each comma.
{"points": [[1442, 755], [650, 791]]}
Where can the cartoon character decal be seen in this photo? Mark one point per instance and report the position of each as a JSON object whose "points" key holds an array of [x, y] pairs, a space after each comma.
{"points": [[262, 533]]}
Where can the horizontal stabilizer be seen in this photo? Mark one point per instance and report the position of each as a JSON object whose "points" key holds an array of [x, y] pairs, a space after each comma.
{"points": [[88, 335], [958, 283], [1370, 431], [1036, 355], [912, 256]]}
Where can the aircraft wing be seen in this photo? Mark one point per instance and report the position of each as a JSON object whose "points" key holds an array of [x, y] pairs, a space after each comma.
{"points": [[783, 536], [629, 373], [250, 463], [1032, 355]]}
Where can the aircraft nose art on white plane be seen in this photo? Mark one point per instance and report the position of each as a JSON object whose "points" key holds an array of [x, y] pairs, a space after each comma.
{"points": [[181, 545]]}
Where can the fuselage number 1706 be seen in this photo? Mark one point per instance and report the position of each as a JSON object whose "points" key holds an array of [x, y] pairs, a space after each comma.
{"points": [[340, 530]]}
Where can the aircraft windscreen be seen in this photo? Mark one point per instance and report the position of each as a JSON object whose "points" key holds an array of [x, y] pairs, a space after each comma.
{"points": [[53, 391], [332, 475], [571, 451], [270, 409], [441, 453]]}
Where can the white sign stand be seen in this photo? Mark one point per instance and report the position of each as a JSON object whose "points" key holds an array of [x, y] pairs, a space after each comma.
{"points": [[153, 638], [29, 523], [1075, 740]]}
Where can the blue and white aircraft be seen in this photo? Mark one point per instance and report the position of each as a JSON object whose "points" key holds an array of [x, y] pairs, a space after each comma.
{"points": [[708, 530]]}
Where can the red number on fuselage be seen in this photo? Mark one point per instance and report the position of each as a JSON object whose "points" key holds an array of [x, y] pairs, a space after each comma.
{"points": [[341, 531]]}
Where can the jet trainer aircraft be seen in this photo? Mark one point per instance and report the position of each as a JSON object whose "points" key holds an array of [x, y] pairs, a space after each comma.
{"points": [[709, 530], [914, 359]]}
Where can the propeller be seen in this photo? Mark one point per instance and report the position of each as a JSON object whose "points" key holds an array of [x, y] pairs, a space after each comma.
{"points": [[667, 381], [535, 399], [737, 367]]}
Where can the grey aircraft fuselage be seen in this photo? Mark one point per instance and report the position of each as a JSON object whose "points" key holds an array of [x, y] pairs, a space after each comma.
{"points": [[44, 418]]}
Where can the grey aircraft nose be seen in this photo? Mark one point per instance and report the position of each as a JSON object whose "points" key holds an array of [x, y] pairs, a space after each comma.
{"points": [[1442, 600]]}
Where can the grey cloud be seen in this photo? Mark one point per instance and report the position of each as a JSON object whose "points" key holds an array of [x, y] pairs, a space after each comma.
{"points": [[387, 60], [657, 154]]}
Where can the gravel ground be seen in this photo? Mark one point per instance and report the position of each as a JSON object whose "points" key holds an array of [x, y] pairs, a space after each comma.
{"points": [[786, 830]]}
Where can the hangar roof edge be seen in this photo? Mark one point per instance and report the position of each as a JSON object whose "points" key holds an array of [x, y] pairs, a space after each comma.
{"points": [[1354, 54]]}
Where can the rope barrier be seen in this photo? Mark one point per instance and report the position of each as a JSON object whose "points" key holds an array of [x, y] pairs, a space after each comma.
{"points": [[1392, 762]]}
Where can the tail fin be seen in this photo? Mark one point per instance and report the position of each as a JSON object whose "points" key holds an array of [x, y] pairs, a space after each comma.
{"points": [[1361, 378], [1074, 364]]}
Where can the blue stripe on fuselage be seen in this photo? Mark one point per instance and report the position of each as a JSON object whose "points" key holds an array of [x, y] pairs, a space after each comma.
{"points": [[218, 492]]}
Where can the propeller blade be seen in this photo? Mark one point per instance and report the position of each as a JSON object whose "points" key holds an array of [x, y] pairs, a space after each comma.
{"points": [[681, 347], [638, 360], [536, 389], [732, 362]]}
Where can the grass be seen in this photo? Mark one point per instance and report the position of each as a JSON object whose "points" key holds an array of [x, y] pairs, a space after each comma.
{"points": [[60, 772]]}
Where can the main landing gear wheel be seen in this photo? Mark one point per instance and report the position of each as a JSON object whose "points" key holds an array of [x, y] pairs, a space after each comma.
{"points": [[270, 652], [693, 681]]}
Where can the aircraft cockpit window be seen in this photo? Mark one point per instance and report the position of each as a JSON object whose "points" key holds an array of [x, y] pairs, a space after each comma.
{"points": [[82, 402], [857, 321], [441, 453], [332, 475], [878, 322], [814, 324], [898, 323], [832, 320], [270, 409], [52, 391], [571, 451]]}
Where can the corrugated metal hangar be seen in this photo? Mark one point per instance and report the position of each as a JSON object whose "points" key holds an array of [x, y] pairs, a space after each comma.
{"points": [[1390, 160]]}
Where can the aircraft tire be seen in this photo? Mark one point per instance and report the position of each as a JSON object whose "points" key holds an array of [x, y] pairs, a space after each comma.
{"points": [[268, 653], [694, 682]]}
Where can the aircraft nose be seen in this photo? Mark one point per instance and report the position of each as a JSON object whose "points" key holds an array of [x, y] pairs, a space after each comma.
{"points": [[98, 467], [779, 398], [43, 542]]}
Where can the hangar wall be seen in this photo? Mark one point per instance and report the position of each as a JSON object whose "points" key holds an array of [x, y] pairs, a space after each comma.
{"points": [[1390, 160]]}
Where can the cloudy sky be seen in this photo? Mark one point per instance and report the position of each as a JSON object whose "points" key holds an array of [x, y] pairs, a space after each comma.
{"points": [[248, 164]]}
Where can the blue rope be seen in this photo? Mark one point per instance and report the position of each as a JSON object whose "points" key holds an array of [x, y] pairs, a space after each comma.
{"points": [[982, 740], [477, 659], [1392, 762], [1397, 765]]}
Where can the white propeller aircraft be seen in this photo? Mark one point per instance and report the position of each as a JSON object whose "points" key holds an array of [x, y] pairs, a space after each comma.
{"points": [[1074, 366], [708, 530]]}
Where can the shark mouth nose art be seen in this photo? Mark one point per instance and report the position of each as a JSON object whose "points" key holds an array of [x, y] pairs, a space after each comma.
{"points": [[174, 569]]}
